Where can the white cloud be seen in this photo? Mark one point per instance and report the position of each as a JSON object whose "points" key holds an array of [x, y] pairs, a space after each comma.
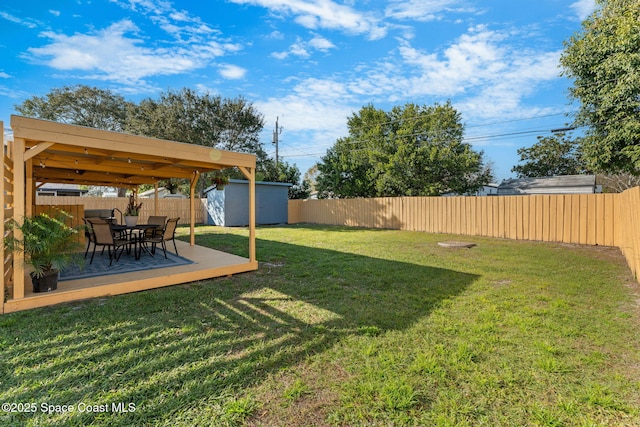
{"points": [[206, 89], [178, 23], [313, 115], [313, 104], [327, 14], [25, 22], [4, 75], [275, 35], [111, 54], [487, 75], [482, 71], [232, 72], [299, 49], [303, 48], [503, 95], [583, 8], [475, 58], [54, 12], [145, 6], [320, 43], [419, 10]]}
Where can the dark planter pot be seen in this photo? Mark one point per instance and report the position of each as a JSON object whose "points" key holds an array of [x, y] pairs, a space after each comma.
{"points": [[46, 283]]}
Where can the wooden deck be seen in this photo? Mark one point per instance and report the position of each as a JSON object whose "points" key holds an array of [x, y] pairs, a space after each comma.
{"points": [[208, 263]]}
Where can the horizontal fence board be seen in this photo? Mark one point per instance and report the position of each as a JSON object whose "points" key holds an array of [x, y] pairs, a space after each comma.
{"points": [[171, 208], [75, 221]]}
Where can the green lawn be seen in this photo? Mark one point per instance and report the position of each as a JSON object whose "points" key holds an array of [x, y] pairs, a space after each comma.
{"points": [[343, 326]]}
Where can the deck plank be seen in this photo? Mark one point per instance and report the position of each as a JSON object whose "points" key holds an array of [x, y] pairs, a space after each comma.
{"points": [[208, 263]]}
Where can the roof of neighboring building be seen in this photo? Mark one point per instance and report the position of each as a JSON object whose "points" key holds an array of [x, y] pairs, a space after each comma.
{"points": [[62, 187], [242, 181], [49, 186], [566, 184], [151, 193]]}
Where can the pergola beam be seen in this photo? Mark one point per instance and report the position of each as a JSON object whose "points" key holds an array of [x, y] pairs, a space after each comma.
{"points": [[41, 130], [37, 149]]}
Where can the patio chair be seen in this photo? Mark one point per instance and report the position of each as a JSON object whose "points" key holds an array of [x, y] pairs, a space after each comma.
{"points": [[88, 232], [169, 233], [104, 237], [160, 221]]}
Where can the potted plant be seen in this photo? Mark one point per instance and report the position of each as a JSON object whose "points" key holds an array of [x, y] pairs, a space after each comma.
{"points": [[49, 245], [219, 180], [132, 211]]}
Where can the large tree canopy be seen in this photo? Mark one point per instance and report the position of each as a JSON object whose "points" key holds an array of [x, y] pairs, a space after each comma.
{"points": [[551, 156], [79, 105], [410, 151], [186, 116], [604, 60]]}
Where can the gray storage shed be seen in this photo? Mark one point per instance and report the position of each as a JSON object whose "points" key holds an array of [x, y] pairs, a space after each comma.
{"points": [[230, 207]]}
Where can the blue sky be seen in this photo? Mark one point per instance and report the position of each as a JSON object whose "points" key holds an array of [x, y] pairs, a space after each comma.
{"points": [[312, 63]]}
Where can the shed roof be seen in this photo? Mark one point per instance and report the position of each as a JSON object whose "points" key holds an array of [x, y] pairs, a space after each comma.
{"points": [[73, 154], [549, 185]]}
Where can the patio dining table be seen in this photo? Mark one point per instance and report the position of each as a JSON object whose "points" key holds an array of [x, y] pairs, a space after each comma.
{"points": [[136, 239]]}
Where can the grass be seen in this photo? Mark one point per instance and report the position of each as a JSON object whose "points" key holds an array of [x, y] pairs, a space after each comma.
{"points": [[344, 326]]}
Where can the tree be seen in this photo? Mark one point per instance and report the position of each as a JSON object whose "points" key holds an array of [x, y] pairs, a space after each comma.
{"points": [[410, 151], [604, 61], [311, 176], [551, 156], [185, 116], [284, 172], [213, 121], [79, 105], [617, 183]]}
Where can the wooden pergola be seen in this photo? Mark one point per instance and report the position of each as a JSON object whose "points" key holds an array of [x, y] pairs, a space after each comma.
{"points": [[51, 152]]}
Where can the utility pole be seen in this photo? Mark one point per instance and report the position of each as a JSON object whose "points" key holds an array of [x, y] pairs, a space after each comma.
{"points": [[276, 135]]}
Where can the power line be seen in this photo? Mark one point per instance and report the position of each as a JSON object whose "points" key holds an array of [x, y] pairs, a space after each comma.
{"points": [[469, 139], [522, 119]]}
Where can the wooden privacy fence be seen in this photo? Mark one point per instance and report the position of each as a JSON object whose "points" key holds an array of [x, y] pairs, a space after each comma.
{"points": [[75, 212], [592, 219], [628, 230], [171, 208]]}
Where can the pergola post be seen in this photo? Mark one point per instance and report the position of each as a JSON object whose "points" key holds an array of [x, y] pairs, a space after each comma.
{"points": [[30, 187], [192, 208], [18, 214], [252, 215], [155, 199], [250, 174]]}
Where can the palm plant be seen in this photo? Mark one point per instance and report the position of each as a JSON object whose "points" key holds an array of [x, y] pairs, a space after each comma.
{"points": [[49, 244]]}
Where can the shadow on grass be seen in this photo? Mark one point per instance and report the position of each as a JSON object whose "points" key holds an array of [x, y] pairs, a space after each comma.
{"points": [[182, 354]]}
